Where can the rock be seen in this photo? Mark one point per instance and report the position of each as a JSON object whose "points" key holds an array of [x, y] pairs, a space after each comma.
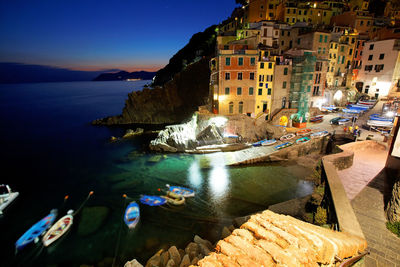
{"points": [[204, 249], [130, 133], [92, 219], [198, 240], [164, 258], [192, 249], [174, 255], [209, 136], [185, 261], [181, 252], [154, 261], [170, 263], [133, 263], [393, 208], [225, 232], [194, 261]]}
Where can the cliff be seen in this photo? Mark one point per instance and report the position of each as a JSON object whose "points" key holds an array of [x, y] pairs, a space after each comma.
{"points": [[174, 102]]}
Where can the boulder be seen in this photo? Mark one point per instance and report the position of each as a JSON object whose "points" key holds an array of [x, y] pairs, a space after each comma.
{"points": [[92, 219], [164, 258], [174, 255], [204, 249], [393, 208], [154, 261], [194, 261], [181, 252], [133, 263], [209, 136], [200, 241], [192, 250], [185, 261], [170, 263]]}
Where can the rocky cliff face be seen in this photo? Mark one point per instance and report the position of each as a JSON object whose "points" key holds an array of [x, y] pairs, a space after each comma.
{"points": [[174, 102], [393, 208]]}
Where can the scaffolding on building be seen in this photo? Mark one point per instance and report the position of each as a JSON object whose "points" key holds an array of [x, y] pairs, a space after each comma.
{"points": [[301, 82]]}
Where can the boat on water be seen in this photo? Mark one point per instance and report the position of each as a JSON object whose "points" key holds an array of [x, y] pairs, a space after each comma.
{"points": [[303, 140], [152, 200], [58, 229], [36, 230], [287, 137], [132, 215], [316, 119], [180, 190], [6, 197], [303, 132], [174, 199], [281, 146], [319, 134]]}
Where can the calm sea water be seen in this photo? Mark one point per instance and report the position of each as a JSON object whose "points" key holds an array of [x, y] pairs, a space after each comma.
{"points": [[50, 150]]}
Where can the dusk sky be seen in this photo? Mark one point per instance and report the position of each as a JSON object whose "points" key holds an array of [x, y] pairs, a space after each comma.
{"points": [[94, 35]]}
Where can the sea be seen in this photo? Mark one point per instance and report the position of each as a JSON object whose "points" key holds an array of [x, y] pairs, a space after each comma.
{"points": [[53, 156]]}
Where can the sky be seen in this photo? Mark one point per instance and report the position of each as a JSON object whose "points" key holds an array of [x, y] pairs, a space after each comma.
{"points": [[95, 35]]}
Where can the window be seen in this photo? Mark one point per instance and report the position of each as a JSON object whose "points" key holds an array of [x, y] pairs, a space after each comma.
{"points": [[366, 89], [342, 59], [260, 84], [240, 107], [368, 23], [284, 85], [251, 75], [287, 20], [368, 67], [370, 57], [282, 33], [240, 76], [299, 12], [239, 91], [351, 51], [298, 41], [252, 61], [353, 40], [226, 47], [324, 14], [227, 90], [332, 45], [230, 107], [323, 50], [361, 22], [269, 65], [228, 61], [341, 48], [285, 71], [260, 91], [288, 33], [260, 78], [293, 20], [266, 85], [283, 43], [251, 90], [320, 38], [381, 56], [371, 47], [378, 68], [227, 76], [305, 12], [269, 91], [271, 6], [318, 66], [335, 46], [240, 61], [319, 50], [261, 65], [326, 39]]}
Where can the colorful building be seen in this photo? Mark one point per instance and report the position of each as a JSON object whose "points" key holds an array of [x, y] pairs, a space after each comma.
{"points": [[265, 83]]}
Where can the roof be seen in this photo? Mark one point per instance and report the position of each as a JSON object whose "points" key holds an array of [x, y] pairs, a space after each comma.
{"points": [[269, 239]]}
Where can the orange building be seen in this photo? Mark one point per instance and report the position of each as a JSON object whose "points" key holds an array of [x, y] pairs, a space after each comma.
{"points": [[362, 21], [259, 10]]}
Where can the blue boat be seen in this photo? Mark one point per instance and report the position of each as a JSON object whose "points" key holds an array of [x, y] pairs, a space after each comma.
{"points": [[378, 117], [265, 142], [302, 140], [132, 215], [181, 191], [152, 200], [352, 111], [359, 107], [319, 134], [36, 230], [283, 145]]}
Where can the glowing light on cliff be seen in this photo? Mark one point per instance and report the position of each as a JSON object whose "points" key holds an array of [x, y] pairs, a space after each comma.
{"points": [[338, 95], [218, 121]]}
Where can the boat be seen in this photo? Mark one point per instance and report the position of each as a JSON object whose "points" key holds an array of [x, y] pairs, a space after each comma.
{"points": [[369, 103], [6, 197], [281, 146], [181, 191], [316, 119], [303, 140], [303, 132], [132, 215], [174, 199], [319, 134], [58, 229], [378, 117], [152, 200], [343, 121], [352, 111], [330, 108], [380, 123], [36, 230], [359, 107], [264, 142], [287, 137]]}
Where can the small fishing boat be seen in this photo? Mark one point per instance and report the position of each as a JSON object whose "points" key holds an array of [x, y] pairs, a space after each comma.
{"points": [[174, 199], [330, 108], [6, 197], [319, 134], [303, 132], [58, 229], [287, 137], [36, 230], [378, 117], [269, 142], [369, 103], [316, 119], [281, 146], [380, 123], [352, 111], [132, 215], [152, 200], [303, 140], [358, 107], [343, 121], [181, 191]]}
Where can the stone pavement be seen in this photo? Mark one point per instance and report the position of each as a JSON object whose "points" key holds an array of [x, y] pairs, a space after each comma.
{"points": [[365, 184]]}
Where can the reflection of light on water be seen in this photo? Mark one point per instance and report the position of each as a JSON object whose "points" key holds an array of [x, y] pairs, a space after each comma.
{"points": [[218, 181], [195, 178], [304, 188]]}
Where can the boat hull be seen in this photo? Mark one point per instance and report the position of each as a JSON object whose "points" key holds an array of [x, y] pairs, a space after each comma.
{"points": [[58, 230], [181, 191], [132, 215], [152, 200]]}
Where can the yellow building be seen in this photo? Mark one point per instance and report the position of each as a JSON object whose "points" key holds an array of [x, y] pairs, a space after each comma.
{"points": [[265, 85], [313, 13]]}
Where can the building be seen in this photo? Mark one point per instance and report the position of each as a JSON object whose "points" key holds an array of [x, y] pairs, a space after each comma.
{"points": [[259, 10], [281, 82], [379, 76], [265, 83], [361, 21]]}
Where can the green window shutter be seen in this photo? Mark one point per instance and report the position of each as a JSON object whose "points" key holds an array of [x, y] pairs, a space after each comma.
{"points": [[227, 90], [285, 71], [228, 61], [284, 85], [269, 91], [326, 39], [252, 60], [260, 91], [320, 38], [240, 61], [251, 91], [239, 91]]}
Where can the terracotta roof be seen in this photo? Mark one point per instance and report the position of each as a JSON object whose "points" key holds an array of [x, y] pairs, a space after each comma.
{"points": [[269, 239]]}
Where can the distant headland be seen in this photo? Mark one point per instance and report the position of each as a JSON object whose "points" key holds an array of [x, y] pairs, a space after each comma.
{"points": [[125, 76]]}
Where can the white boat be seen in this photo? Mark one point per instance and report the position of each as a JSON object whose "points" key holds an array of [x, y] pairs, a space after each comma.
{"points": [[379, 123], [58, 229], [6, 197]]}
